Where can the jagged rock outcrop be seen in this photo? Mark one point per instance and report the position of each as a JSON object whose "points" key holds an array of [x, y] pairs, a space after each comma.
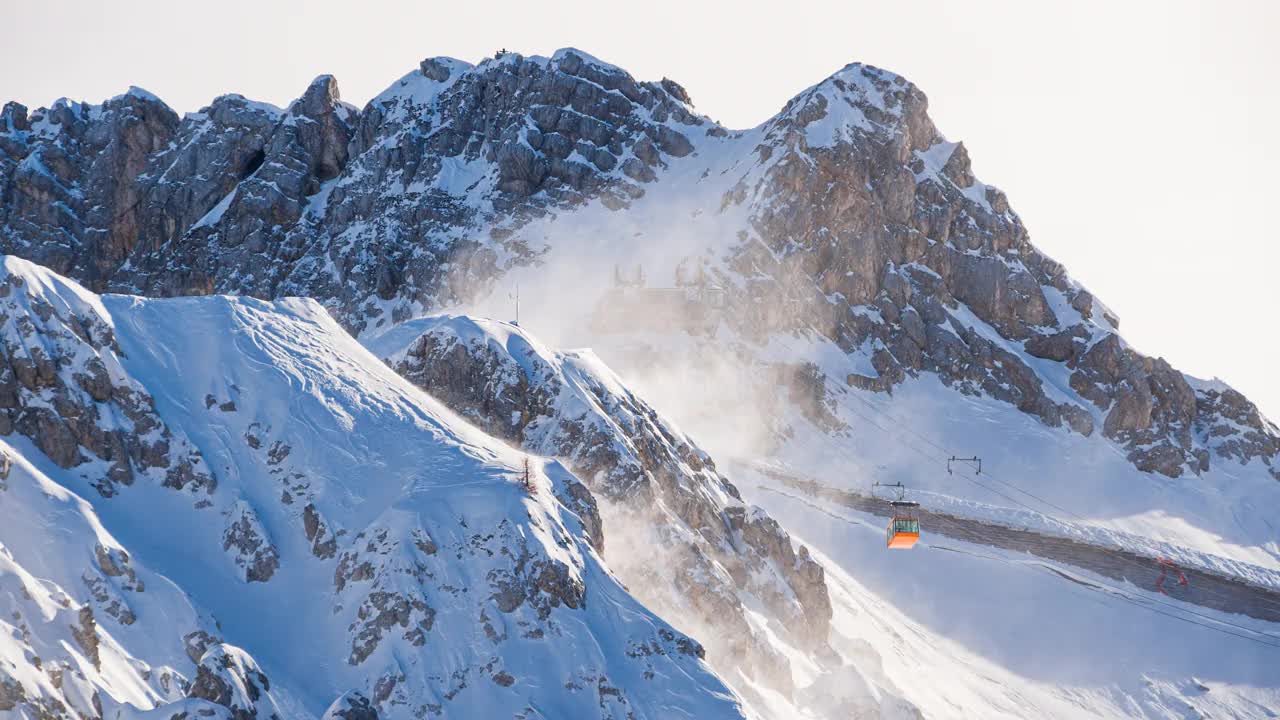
{"points": [[871, 228], [62, 386], [351, 706], [96, 633], [70, 180], [229, 199], [246, 541], [228, 676], [704, 552]]}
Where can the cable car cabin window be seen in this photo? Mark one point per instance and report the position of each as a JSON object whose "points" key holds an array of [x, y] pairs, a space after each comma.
{"points": [[905, 525], [902, 532]]}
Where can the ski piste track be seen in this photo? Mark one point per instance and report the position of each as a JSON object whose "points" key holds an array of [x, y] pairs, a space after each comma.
{"points": [[1206, 589]]}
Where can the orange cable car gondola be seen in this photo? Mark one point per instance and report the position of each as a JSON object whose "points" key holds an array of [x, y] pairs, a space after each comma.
{"points": [[903, 530]]}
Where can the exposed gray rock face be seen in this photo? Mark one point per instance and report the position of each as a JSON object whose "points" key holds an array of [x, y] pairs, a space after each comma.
{"points": [[229, 199], [246, 541], [70, 180], [86, 636], [117, 577], [1232, 427], [281, 162], [351, 706], [862, 222], [704, 551]]}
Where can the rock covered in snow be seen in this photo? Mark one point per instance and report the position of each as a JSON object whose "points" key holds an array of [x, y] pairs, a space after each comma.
{"points": [[62, 386], [95, 633], [228, 676]]}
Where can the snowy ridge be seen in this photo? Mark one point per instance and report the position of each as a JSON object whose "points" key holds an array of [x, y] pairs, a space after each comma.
{"points": [[64, 388], [361, 539]]}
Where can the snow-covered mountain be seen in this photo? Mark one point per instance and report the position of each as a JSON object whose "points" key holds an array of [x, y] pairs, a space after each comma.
{"points": [[276, 523], [833, 294]]}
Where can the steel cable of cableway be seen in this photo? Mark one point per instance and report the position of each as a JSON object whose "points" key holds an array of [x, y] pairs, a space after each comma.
{"points": [[1120, 559], [923, 454], [905, 426]]}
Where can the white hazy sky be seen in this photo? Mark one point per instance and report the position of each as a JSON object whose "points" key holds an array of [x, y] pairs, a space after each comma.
{"points": [[1137, 139]]}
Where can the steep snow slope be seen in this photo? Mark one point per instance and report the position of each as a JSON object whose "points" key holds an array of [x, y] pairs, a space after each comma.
{"points": [[86, 629], [364, 544]]}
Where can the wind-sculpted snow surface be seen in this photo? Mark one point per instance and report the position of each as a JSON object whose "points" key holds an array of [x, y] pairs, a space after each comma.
{"points": [[363, 549], [686, 543]]}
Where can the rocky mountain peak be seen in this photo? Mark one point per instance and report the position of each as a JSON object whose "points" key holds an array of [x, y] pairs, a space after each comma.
{"points": [[848, 214], [14, 117], [320, 98], [860, 98]]}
